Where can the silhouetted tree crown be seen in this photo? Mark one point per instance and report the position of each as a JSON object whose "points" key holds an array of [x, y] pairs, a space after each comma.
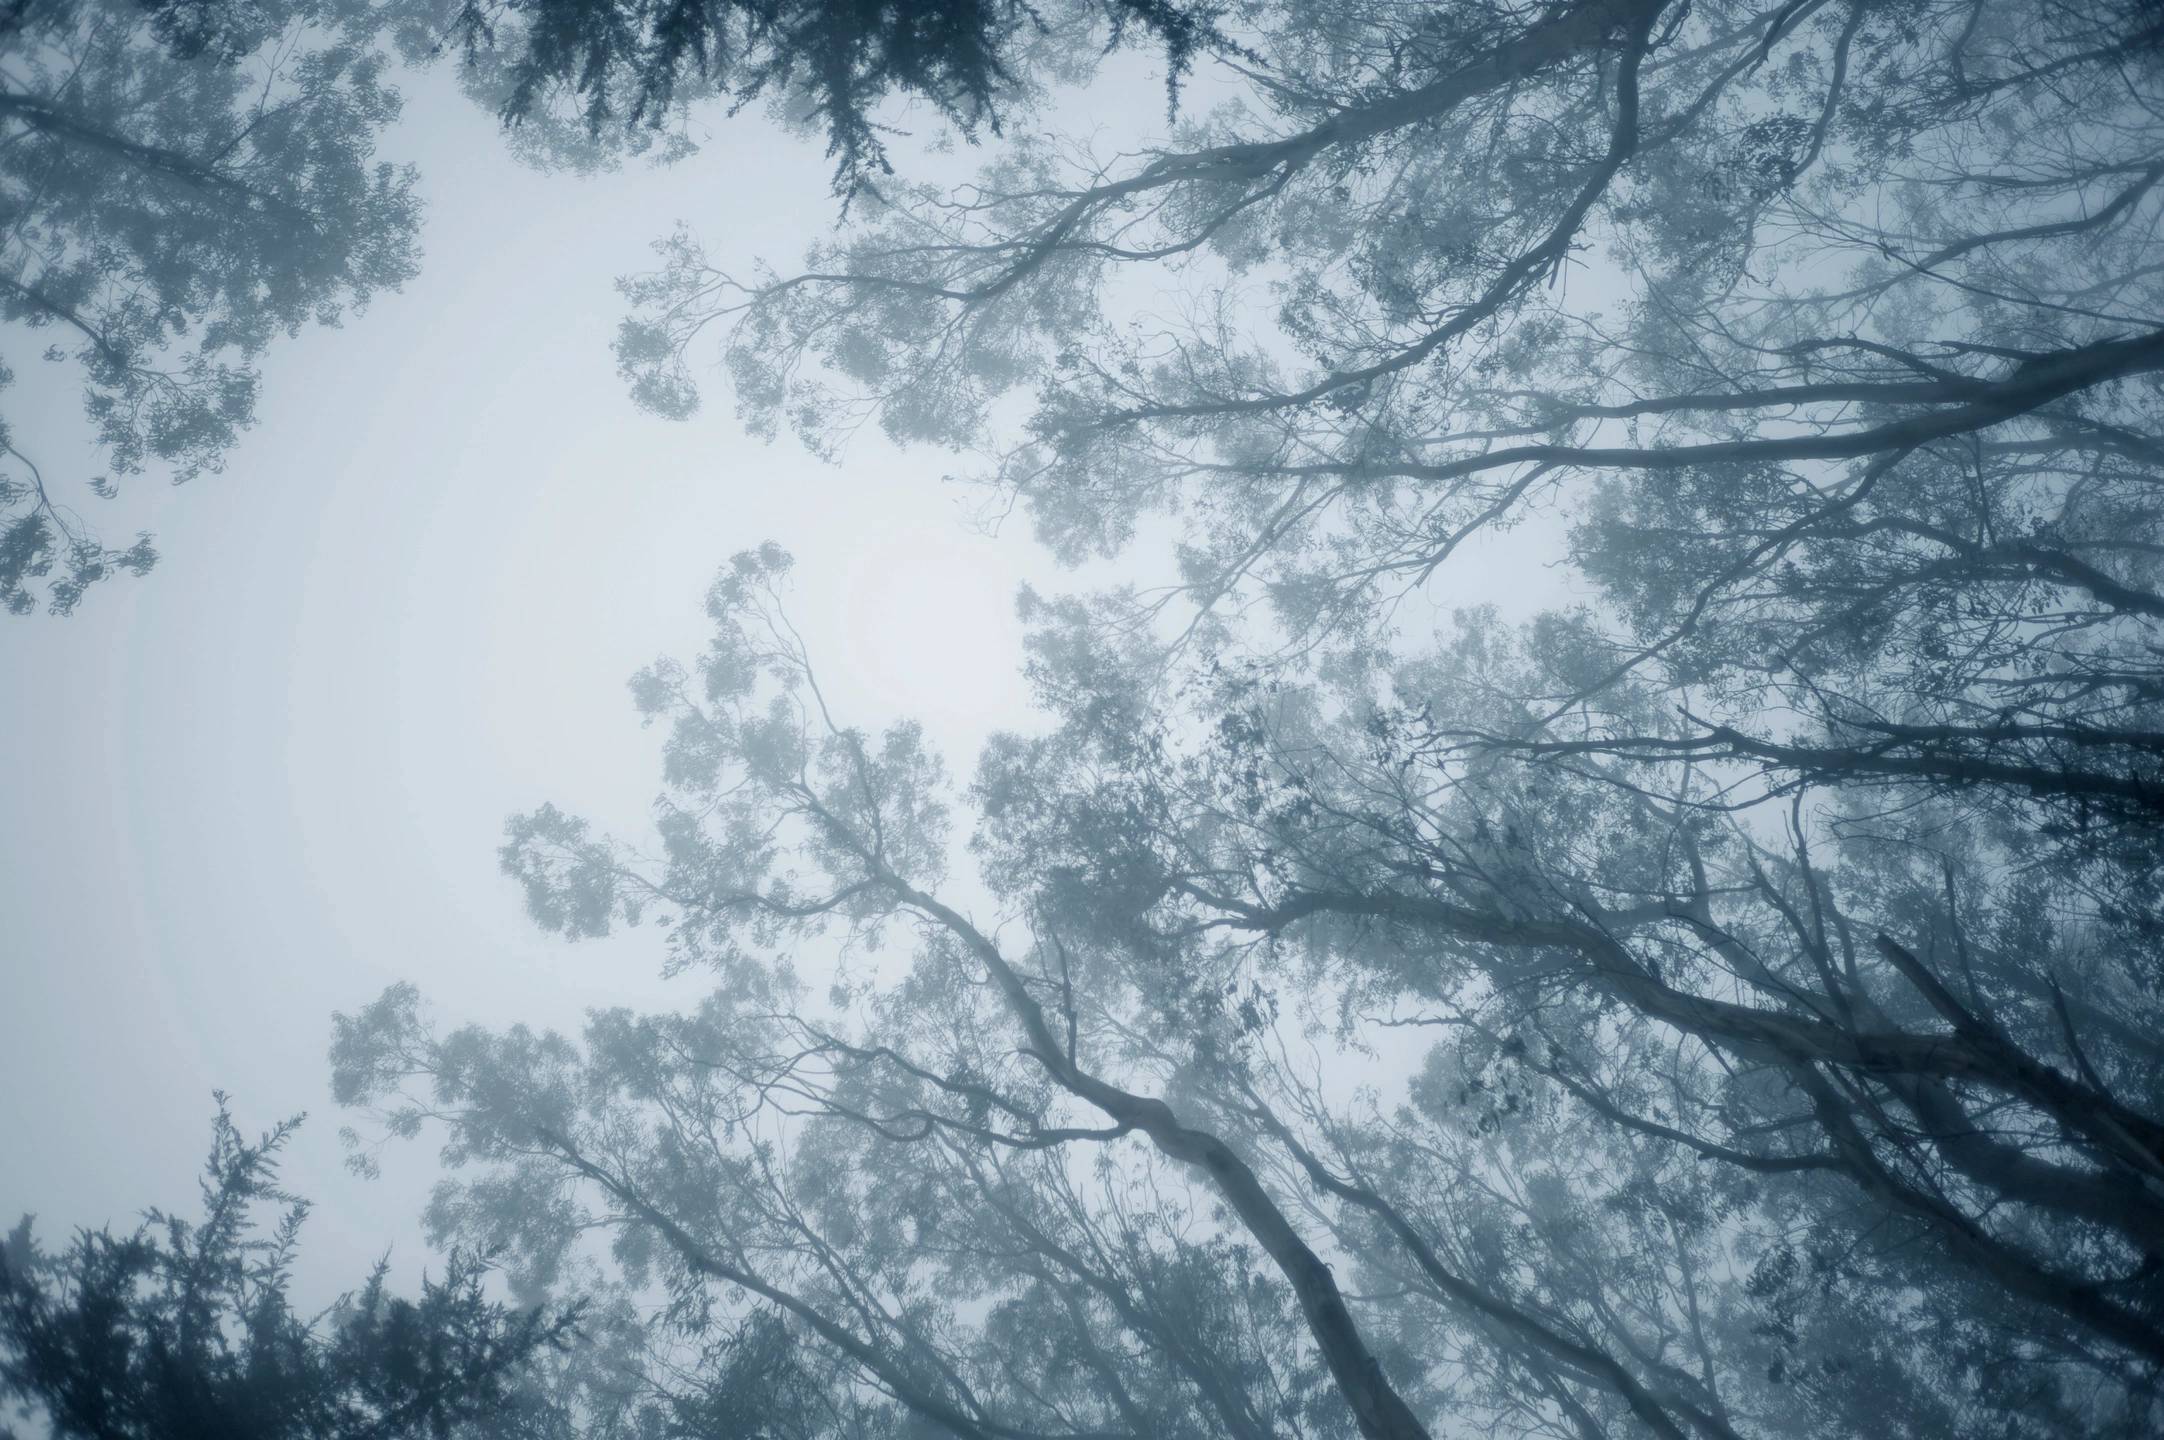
{"points": [[637, 63], [1721, 1002], [183, 184], [185, 1329]]}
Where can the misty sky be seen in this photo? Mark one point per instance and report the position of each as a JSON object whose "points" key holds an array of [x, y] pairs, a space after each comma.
{"points": [[269, 779]]}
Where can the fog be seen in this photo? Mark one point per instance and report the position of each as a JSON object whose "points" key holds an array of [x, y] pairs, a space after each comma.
{"points": [[1108, 720]]}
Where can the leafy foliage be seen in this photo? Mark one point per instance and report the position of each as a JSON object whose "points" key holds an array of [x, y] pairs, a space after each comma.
{"points": [[186, 1328], [185, 183], [191, 178], [1722, 1005], [622, 67]]}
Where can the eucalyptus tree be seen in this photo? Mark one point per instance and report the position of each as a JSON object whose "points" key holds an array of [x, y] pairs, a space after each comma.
{"points": [[1103, 1131], [1713, 1127], [1840, 320], [1820, 841], [187, 179], [1723, 1008], [182, 183], [1919, 1029], [1512, 249]]}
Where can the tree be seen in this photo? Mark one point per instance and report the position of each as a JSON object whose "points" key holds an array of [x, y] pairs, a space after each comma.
{"points": [[184, 1329], [1861, 298], [1862, 303], [1706, 1148], [1879, 1011], [1824, 338], [1798, 235], [1725, 1005], [627, 71], [191, 178], [185, 183]]}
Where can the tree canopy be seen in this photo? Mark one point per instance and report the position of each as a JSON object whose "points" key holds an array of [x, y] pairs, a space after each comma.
{"points": [[189, 179], [1721, 999], [626, 68], [183, 183], [1723, 1004], [1811, 1122]]}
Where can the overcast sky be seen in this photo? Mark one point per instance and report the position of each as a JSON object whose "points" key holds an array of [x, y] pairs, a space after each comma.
{"points": [[268, 780]]}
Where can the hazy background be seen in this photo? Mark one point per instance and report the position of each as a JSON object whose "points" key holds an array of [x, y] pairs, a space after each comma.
{"points": [[269, 779]]}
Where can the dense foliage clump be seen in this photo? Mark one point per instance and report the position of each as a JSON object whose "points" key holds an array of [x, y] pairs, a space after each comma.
{"points": [[186, 1328]]}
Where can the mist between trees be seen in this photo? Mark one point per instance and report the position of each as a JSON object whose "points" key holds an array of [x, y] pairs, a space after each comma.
{"points": [[1729, 1004]]}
